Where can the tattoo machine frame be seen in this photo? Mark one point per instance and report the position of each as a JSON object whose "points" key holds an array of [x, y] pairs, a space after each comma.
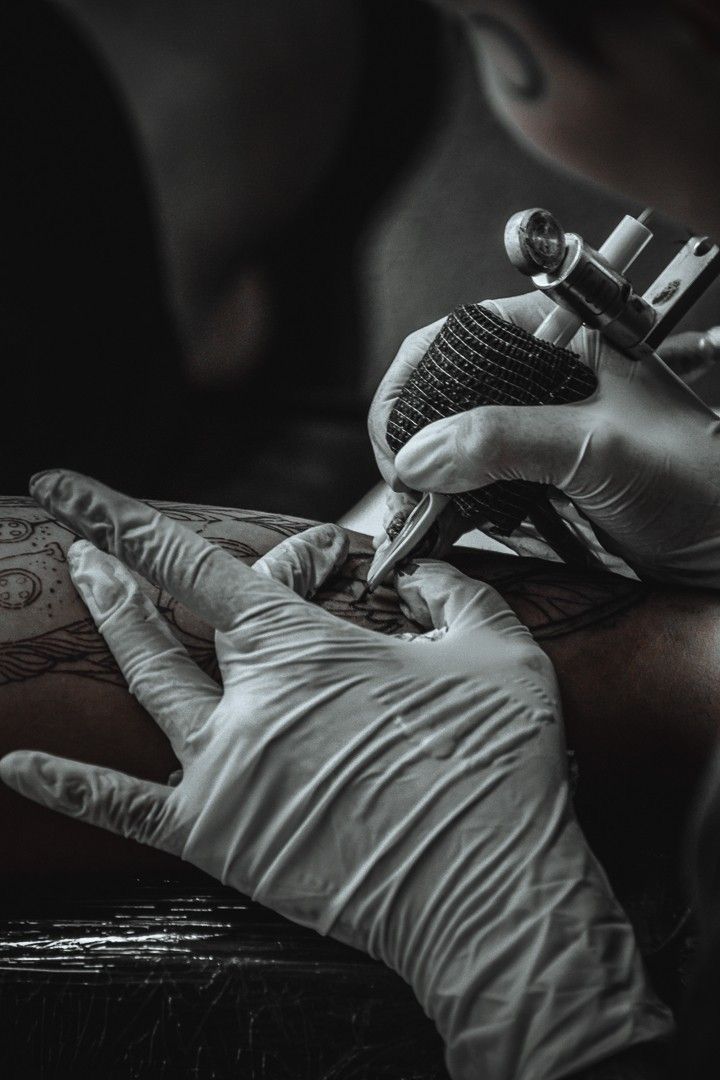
{"points": [[478, 358]]}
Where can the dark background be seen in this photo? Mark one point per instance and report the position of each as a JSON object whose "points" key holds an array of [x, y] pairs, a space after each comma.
{"points": [[219, 220]]}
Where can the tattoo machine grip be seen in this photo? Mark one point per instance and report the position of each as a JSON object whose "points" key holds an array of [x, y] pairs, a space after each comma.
{"points": [[476, 359]]}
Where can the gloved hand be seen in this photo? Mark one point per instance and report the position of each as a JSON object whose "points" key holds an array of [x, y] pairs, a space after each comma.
{"points": [[640, 458], [407, 796]]}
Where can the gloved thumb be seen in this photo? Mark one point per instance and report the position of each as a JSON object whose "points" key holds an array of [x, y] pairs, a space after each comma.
{"points": [[398, 506], [436, 595], [95, 794], [493, 442], [304, 562]]}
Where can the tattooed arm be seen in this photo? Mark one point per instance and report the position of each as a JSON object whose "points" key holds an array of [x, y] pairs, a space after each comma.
{"points": [[636, 667]]}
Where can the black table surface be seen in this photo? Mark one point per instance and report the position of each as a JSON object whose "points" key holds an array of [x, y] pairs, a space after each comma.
{"points": [[187, 978], [165, 980]]}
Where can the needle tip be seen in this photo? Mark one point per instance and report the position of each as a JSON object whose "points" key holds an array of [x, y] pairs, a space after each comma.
{"points": [[365, 592]]}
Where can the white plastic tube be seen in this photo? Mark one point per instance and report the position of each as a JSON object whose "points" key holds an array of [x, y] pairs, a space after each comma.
{"points": [[621, 249]]}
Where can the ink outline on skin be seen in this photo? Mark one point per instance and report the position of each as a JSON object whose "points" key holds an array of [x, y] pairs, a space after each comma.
{"points": [[19, 588], [7, 523], [555, 602], [76, 648]]}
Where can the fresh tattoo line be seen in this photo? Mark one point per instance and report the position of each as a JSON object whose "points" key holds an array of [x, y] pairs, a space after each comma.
{"points": [[45, 635], [554, 600]]}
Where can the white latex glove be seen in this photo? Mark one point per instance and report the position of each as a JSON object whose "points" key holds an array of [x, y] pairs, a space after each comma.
{"points": [[640, 458], [408, 797]]}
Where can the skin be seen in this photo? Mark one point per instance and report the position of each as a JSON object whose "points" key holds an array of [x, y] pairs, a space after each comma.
{"points": [[635, 667], [641, 122], [634, 677]]}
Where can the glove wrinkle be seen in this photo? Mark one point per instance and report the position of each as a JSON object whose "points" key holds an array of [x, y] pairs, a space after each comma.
{"points": [[412, 802]]}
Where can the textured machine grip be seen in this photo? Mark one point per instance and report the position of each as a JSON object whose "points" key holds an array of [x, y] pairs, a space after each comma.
{"points": [[480, 359]]}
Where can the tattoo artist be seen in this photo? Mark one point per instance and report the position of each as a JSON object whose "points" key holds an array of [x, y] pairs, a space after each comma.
{"points": [[625, 94], [410, 796]]}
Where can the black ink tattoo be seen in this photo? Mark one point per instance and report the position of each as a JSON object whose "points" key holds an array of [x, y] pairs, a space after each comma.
{"points": [[75, 649], [551, 599], [209, 515], [529, 82], [346, 597], [18, 588], [555, 603], [13, 529]]}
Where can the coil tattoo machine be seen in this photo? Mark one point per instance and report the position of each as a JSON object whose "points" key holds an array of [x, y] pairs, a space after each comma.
{"points": [[478, 358]]}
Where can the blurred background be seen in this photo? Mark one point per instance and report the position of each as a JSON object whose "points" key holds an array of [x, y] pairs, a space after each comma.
{"points": [[221, 217]]}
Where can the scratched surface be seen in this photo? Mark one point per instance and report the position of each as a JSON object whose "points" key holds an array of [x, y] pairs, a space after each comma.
{"points": [[167, 981], [163, 980]]}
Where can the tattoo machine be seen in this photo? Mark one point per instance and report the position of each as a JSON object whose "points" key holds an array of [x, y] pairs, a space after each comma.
{"points": [[478, 358]]}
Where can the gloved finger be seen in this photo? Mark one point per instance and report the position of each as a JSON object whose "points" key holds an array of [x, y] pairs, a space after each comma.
{"points": [[428, 637], [494, 442], [437, 542], [304, 562], [436, 595], [530, 310], [97, 795], [158, 670], [692, 354], [208, 580], [527, 311], [408, 357], [398, 504]]}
